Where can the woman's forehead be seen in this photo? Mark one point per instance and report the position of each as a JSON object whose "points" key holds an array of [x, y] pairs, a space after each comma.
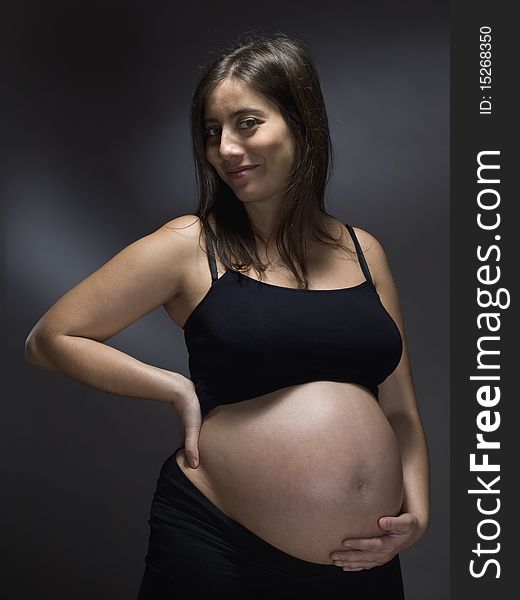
{"points": [[232, 95]]}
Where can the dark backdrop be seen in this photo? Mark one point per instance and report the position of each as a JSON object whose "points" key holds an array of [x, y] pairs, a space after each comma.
{"points": [[98, 155]]}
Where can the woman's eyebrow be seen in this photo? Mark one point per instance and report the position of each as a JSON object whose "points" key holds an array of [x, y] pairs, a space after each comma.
{"points": [[236, 113]]}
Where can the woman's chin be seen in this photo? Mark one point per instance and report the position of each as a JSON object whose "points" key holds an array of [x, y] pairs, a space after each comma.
{"points": [[247, 197]]}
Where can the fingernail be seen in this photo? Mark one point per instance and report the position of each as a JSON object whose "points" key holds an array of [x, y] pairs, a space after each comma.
{"points": [[193, 462]]}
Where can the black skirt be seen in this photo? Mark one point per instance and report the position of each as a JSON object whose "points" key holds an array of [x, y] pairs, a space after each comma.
{"points": [[196, 551]]}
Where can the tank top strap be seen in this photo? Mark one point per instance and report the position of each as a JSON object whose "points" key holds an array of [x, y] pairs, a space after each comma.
{"points": [[361, 256], [211, 242]]}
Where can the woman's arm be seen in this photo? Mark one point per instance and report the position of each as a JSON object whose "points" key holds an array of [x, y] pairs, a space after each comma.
{"points": [[397, 400], [69, 338], [408, 429]]}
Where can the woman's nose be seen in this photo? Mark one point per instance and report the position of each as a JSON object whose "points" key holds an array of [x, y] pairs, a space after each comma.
{"points": [[229, 145]]}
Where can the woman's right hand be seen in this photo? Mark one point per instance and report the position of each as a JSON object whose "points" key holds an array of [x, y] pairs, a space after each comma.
{"points": [[188, 410]]}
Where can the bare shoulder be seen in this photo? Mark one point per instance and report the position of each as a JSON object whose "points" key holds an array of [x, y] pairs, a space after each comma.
{"points": [[185, 226], [375, 256], [172, 250], [179, 238], [144, 275], [168, 249]]}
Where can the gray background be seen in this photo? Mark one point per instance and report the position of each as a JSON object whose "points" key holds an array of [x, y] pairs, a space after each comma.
{"points": [[99, 155]]}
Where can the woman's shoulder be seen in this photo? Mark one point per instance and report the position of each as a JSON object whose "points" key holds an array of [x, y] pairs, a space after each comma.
{"points": [[374, 253], [175, 242], [188, 227], [367, 240], [184, 237], [184, 226], [183, 234]]}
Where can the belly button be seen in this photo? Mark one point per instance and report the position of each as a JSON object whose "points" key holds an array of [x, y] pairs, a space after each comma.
{"points": [[360, 484]]}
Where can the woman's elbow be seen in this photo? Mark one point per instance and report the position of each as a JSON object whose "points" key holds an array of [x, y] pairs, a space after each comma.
{"points": [[33, 348], [30, 348], [35, 354]]}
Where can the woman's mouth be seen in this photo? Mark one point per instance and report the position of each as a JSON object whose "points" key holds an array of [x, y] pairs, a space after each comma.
{"points": [[241, 173]]}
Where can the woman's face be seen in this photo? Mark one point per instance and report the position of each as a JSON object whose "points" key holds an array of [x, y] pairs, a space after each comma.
{"points": [[248, 142]]}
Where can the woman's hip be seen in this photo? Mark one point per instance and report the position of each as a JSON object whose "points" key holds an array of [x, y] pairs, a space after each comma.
{"points": [[194, 546]]}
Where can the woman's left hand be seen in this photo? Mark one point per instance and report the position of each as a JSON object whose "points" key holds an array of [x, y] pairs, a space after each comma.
{"points": [[365, 553]]}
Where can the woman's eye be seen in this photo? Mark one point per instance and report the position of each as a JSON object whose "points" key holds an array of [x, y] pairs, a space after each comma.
{"points": [[212, 131], [248, 123]]}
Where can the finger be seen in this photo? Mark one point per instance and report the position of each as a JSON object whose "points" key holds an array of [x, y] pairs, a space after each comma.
{"points": [[356, 563], [372, 544], [191, 443], [364, 564], [191, 456], [401, 523], [356, 556], [363, 567], [355, 567]]}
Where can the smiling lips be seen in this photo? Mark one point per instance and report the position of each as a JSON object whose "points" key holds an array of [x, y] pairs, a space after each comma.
{"points": [[241, 172]]}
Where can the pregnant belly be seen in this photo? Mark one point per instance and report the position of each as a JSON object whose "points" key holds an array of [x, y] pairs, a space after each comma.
{"points": [[303, 467]]}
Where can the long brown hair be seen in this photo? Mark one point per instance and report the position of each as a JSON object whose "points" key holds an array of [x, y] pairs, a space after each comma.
{"points": [[281, 69]]}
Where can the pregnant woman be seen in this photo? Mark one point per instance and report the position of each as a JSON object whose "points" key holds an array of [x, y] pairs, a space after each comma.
{"points": [[303, 470]]}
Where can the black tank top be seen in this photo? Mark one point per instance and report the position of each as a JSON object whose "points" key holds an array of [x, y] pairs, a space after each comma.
{"points": [[246, 337]]}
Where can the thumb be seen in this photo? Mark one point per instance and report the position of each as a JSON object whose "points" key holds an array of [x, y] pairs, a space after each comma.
{"points": [[390, 523], [191, 444]]}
